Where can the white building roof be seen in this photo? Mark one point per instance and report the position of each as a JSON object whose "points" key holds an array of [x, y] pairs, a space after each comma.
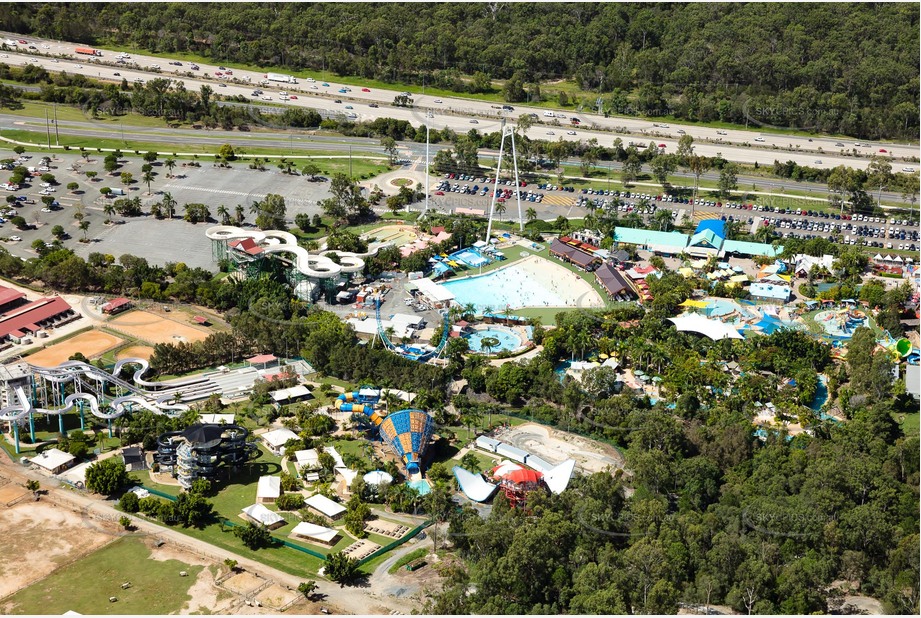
{"points": [[335, 455], [696, 323], [217, 419], [434, 291], [308, 457], [278, 437], [512, 452], [377, 477], [487, 444], [290, 393], [325, 505], [263, 515], [52, 459], [313, 531], [557, 479], [268, 487]]}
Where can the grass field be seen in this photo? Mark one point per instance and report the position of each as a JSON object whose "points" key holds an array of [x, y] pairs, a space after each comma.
{"points": [[86, 585], [910, 423]]}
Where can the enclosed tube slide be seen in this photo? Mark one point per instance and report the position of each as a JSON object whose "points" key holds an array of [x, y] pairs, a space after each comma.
{"points": [[363, 401]]}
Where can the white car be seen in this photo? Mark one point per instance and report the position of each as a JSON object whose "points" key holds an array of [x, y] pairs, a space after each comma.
{"points": [[155, 66], [818, 161], [46, 184], [570, 132], [54, 60], [437, 100], [759, 139], [46, 209], [909, 170], [550, 133], [310, 79], [79, 66], [15, 238], [266, 98]]}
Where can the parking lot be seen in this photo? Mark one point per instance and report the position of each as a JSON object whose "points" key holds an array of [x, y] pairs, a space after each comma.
{"points": [[159, 241]]}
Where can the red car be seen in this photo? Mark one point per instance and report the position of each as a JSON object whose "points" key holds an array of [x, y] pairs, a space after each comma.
{"points": [[369, 90], [23, 42], [883, 150], [293, 97], [439, 192]]}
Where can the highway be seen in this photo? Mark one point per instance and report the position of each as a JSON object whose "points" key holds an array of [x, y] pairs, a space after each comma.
{"points": [[462, 114]]}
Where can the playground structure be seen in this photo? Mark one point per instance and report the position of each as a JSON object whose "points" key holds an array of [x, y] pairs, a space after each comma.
{"points": [[309, 274], [29, 390], [363, 401], [841, 323], [516, 481], [421, 352], [198, 451]]}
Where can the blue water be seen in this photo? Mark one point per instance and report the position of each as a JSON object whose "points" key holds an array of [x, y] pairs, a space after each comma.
{"points": [[507, 287], [769, 324], [422, 486], [470, 258], [508, 341], [560, 370], [821, 396]]}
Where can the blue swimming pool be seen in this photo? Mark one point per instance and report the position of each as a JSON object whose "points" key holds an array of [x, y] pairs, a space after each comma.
{"points": [[821, 394], [507, 287], [508, 341], [422, 486]]}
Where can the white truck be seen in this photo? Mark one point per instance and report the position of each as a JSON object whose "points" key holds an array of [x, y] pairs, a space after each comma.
{"points": [[278, 77]]}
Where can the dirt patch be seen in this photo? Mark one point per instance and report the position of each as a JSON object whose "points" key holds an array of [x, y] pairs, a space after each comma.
{"points": [[135, 351], [204, 594], [33, 552], [10, 493], [90, 344], [556, 446], [155, 329], [277, 596], [242, 583]]}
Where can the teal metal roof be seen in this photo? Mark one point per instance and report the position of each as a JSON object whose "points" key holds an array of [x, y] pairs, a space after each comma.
{"points": [[769, 290], [706, 238], [643, 237], [751, 248]]}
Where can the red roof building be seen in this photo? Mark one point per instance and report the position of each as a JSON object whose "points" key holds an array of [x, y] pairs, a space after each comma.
{"points": [[8, 296], [201, 320], [246, 245], [261, 359], [34, 316], [116, 304]]}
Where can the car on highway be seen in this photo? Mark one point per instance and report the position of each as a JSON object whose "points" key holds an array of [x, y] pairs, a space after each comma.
{"points": [[373, 105], [437, 101], [293, 97], [23, 42], [550, 133], [681, 131], [54, 60], [349, 107], [325, 84], [266, 98], [222, 85], [759, 139], [570, 132], [79, 66], [116, 74], [818, 161], [366, 90], [310, 80], [839, 145], [338, 101], [909, 170], [474, 121], [343, 90]]}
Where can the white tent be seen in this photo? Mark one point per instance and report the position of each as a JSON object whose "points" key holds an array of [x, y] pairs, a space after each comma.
{"points": [[377, 477], [260, 514], [696, 323], [558, 478], [315, 532]]}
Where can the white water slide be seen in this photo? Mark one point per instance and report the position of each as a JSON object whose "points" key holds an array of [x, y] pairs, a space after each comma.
{"points": [[314, 265], [145, 396]]}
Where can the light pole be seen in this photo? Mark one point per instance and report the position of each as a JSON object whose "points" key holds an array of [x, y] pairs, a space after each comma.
{"points": [[428, 118]]}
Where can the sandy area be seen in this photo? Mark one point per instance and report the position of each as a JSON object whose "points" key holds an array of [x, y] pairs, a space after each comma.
{"points": [[156, 329], [11, 492], [397, 234], [33, 552], [242, 583], [135, 351], [277, 596], [534, 282], [90, 344], [556, 446]]}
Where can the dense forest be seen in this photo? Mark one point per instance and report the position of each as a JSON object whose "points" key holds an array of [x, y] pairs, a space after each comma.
{"points": [[849, 68]]}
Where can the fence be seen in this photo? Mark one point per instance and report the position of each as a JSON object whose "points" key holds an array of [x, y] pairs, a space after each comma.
{"points": [[386, 548], [156, 492], [281, 541]]}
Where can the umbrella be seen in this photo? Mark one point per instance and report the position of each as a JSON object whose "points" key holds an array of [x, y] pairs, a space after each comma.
{"points": [[656, 379], [603, 356], [639, 372]]}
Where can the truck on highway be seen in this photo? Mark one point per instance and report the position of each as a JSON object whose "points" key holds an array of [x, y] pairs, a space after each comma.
{"points": [[278, 77], [88, 51]]}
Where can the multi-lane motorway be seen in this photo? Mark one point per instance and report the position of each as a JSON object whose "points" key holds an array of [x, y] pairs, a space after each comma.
{"points": [[463, 114]]}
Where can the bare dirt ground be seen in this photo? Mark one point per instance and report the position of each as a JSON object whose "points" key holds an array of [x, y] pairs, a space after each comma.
{"points": [[135, 351], [33, 552], [91, 343], [557, 446], [242, 583], [153, 328], [277, 596], [10, 493]]}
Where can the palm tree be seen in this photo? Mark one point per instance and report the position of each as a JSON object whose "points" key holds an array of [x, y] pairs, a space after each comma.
{"points": [[169, 205], [224, 214], [170, 163], [500, 209], [530, 214], [84, 225], [148, 178], [239, 210], [663, 219], [489, 344], [108, 209]]}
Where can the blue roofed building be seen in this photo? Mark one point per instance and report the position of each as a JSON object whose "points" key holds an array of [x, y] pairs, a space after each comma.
{"points": [[668, 243], [770, 292]]}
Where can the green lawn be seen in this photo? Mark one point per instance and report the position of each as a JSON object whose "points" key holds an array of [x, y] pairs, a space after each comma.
{"points": [[910, 423], [86, 585], [413, 555]]}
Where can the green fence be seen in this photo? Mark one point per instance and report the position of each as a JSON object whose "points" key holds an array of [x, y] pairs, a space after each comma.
{"points": [[159, 493], [410, 535], [305, 550]]}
